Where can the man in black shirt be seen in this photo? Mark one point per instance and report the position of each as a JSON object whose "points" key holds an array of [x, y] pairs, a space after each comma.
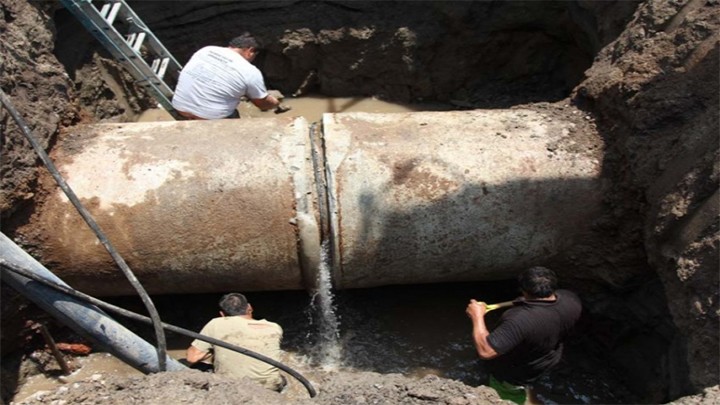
{"points": [[528, 338]]}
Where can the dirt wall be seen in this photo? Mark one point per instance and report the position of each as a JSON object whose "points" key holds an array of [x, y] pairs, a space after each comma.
{"points": [[39, 88], [655, 90], [403, 51]]}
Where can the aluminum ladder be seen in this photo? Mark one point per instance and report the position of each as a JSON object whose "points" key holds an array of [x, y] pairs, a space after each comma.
{"points": [[138, 50]]}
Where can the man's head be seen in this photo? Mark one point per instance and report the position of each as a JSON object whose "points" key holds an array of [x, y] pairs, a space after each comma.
{"points": [[246, 45], [538, 282], [234, 304]]}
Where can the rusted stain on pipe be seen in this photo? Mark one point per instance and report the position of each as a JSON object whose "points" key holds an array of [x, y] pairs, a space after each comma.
{"points": [[191, 206], [453, 196]]}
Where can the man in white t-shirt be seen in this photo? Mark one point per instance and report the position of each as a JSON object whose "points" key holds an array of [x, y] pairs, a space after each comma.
{"points": [[215, 78]]}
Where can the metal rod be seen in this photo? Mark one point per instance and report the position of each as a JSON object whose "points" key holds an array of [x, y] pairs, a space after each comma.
{"points": [[54, 349]]}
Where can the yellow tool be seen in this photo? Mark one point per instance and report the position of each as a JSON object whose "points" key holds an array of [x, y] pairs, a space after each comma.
{"points": [[490, 307]]}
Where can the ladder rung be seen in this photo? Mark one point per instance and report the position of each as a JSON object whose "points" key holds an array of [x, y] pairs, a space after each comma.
{"points": [[155, 65], [135, 40], [163, 67], [113, 12], [104, 11]]}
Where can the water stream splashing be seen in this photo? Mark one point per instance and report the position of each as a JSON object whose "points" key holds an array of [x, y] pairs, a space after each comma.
{"points": [[329, 349]]}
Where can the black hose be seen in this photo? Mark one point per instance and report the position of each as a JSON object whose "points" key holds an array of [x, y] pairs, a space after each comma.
{"points": [[121, 311], [156, 322]]}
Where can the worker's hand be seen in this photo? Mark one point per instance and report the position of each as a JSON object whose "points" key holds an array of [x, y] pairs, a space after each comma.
{"points": [[476, 309], [281, 108], [195, 355], [275, 93]]}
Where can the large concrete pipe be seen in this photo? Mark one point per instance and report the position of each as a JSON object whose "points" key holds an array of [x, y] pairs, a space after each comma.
{"points": [[240, 204], [454, 196], [192, 206]]}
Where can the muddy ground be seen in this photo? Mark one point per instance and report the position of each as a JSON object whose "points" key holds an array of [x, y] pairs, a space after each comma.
{"points": [[645, 72], [195, 387], [332, 388]]}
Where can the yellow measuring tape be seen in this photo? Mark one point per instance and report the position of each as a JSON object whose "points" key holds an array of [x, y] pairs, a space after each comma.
{"points": [[490, 307]]}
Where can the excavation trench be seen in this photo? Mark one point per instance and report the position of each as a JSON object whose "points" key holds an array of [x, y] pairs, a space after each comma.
{"points": [[209, 207], [420, 210]]}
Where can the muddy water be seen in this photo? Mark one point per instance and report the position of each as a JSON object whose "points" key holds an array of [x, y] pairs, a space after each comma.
{"points": [[312, 108], [93, 367]]}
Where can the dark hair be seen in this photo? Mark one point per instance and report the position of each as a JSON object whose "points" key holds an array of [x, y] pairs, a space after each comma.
{"points": [[234, 304], [538, 282], [245, 40]]}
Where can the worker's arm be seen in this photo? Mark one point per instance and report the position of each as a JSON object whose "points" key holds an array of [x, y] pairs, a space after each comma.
{"points": [[267, 103], [476, 312], [194, 355]]}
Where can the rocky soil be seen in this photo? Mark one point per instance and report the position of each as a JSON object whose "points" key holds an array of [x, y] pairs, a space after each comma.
{"points": [[195, 387], [647, 75], [655, 90]]}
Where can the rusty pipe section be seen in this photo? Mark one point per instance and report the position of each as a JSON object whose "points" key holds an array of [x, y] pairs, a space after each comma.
{"points": [[192, 206], [403, 198]]}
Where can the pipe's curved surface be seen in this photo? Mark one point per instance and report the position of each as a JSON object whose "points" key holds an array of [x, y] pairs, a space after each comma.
{"points": [[454, 196], [192, 206], [213, 206]]}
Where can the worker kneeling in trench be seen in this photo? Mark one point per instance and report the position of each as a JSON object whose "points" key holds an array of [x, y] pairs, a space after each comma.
{"points": [[528, 341], [237, 326], [216, 78]]}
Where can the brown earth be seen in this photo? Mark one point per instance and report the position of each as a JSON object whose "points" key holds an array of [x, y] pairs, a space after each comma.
{"points": [[651, 88], [195, 387]]}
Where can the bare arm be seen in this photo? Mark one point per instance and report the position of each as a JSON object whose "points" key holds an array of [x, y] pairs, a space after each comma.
{"points": [[194, 355], [476, 312], [267, 103]]}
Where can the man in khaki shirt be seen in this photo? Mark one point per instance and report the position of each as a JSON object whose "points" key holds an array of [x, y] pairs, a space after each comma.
{"points": [[237, 326]]}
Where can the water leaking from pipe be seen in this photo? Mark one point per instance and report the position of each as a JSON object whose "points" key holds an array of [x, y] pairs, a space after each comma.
{"points": [[330, 351]]}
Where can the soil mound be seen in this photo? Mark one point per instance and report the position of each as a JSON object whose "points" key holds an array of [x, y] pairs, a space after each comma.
{"points": [[195, 387]]}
